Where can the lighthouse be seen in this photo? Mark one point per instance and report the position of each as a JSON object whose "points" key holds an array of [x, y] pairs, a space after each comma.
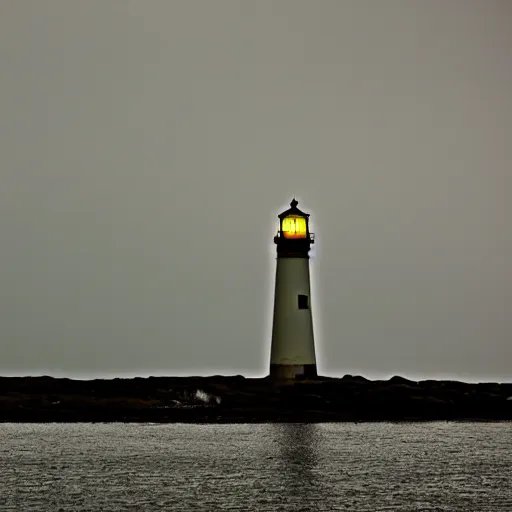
{"points": [[292, 353]]}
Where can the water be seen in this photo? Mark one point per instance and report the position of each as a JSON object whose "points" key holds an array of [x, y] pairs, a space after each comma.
{"points": [[274, 467]]}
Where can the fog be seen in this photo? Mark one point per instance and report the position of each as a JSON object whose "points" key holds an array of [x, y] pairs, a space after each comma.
{"points": [[147, 148]]}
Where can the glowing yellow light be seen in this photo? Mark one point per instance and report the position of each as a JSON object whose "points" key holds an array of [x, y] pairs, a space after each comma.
{"points": [[294, 227]]}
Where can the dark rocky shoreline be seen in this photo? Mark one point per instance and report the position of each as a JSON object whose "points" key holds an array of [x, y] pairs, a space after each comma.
{"points": [[219, 399]]}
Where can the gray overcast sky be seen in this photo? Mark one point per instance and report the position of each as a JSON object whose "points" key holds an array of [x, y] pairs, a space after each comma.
{"points": [[146, 148]]}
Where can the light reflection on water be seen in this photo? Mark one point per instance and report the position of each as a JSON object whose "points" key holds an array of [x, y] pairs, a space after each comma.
{"points": [[272, 467]]}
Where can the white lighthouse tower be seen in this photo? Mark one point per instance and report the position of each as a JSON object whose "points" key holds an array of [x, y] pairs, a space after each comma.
{"points": [[293, 346]]}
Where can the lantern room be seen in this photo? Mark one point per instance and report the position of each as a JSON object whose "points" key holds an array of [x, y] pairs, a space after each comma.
{"points": [[294, 229]]}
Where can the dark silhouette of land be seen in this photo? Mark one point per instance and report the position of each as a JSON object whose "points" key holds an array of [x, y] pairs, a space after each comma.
{"points": [[237, 399]]}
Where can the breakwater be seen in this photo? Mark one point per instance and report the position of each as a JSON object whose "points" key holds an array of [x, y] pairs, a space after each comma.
{"points": [[235, 399]]}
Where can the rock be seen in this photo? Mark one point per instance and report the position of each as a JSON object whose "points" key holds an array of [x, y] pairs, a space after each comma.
{"points": [[239, 399]]}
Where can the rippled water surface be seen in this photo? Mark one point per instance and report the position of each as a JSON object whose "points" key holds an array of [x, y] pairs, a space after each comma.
{"points": [[273, 467]]}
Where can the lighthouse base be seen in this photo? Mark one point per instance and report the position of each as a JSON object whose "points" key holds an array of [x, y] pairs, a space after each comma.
{"points": [[293, 371]]}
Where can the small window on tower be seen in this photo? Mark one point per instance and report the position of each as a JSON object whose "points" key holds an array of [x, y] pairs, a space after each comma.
{"points": [[303, 302]]}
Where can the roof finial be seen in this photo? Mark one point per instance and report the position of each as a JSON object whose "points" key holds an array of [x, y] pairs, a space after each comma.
{"points": [[294, 202]]}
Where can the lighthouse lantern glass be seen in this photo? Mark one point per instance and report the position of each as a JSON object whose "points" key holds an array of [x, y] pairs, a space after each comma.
{"points": [[294, 227]]}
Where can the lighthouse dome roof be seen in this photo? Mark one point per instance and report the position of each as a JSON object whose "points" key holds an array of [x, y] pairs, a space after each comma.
{"points": [[293, 211]]}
